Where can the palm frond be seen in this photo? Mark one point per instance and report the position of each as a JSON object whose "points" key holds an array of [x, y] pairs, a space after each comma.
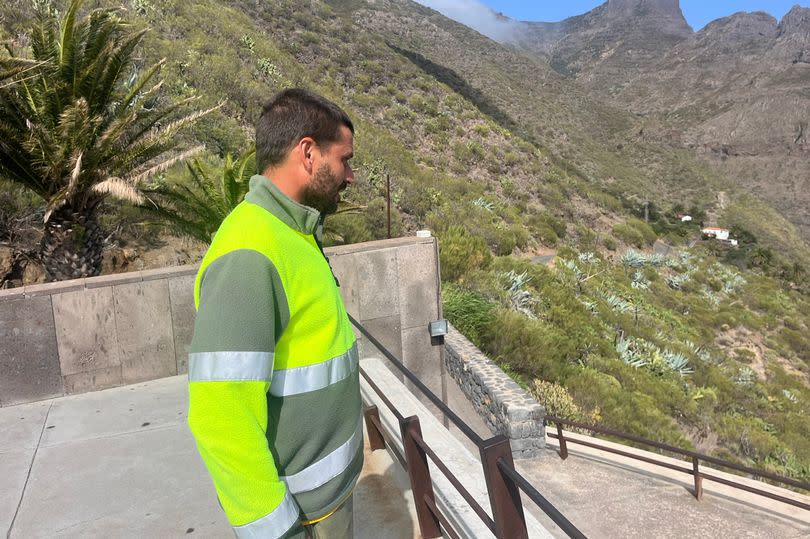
{"points": [[141, 176], [73, 183], [116, 63], [197, 206], [141, 83], [120, 189], [66, 39]]}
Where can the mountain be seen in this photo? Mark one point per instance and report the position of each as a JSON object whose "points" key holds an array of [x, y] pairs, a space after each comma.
{"points": [[734, 93], [615, 39]]}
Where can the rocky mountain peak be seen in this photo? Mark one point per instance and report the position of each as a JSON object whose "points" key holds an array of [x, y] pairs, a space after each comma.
{"points": [[656, 15], [796, 21], [642, 8], [742, 25]]}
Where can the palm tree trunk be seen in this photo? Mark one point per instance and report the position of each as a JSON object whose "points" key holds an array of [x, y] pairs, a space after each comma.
{"points": [[72, 244]]}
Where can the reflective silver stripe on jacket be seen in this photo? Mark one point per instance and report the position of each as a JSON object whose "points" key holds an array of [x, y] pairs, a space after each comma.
{"points": [[230, 366], [313, 377], [275, 524], [328, 467]]}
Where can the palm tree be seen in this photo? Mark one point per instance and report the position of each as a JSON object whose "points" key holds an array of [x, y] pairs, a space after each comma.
{"points": [[76, 126], [196, 208]]}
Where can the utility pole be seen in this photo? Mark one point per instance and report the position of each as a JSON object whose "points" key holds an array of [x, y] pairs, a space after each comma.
{"points": [[388, 200]]}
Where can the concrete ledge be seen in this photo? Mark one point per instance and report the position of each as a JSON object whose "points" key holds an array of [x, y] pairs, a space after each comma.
{"points": [[8, 294], [463, 464], [377, 245], [506, 407], [49, 289]]}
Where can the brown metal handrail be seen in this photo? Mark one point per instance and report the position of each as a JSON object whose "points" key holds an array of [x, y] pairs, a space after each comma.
{"points": [[474, 505], [504, 482], [695, 457]]}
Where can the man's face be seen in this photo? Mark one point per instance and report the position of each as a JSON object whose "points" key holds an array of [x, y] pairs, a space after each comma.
{"points": [[332, 175]]}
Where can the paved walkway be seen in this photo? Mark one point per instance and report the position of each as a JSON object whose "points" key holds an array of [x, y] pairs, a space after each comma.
{"points": [[121, 463], [609, 496]]}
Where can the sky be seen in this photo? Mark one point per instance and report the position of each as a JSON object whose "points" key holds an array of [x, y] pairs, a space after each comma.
{"points": [[698, 13]]}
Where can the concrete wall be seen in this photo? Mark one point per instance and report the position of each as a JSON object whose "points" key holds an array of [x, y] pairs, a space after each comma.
{"points": [[89, 334], [392, 288], [505, 407]]}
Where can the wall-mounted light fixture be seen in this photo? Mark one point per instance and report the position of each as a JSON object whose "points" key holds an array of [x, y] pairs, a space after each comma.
{"points": [[437, 330]]}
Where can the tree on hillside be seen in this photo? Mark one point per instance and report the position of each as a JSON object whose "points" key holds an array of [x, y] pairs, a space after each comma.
{"points": [[77, 126], [197, 207]]}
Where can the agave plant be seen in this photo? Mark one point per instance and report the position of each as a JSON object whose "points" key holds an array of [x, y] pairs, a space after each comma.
{"points": [[481, 202], [676, 282], [677, 362], [657, 260], [634, 259], [731, 280], [618, 304], [520, 298], [629, 354], [588, 258], [574, 268], [76, 128], [790, 396], [745, 376], [639, 281], [711, 296]]}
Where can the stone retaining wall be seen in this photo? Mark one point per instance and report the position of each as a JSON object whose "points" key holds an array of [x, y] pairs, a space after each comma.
{"points": [[88, 334], [505, 407], [100, 332]]}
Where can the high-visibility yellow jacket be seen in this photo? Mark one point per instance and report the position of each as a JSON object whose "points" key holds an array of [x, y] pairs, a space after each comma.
{"points": [[274, 394]]}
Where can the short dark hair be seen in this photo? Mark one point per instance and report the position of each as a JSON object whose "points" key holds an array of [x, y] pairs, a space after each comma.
{"points": [[291, 115]]}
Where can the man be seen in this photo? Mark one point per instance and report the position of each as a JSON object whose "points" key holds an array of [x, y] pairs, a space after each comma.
{"points": [[273, 370]]}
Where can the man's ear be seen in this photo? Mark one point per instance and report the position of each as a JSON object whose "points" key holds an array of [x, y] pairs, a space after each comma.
{"points": [[307, 147]]}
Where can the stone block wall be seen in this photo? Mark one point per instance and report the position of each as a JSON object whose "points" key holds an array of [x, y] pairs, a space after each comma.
{"points": [[392, 288], [89, 334], [505, 407]]}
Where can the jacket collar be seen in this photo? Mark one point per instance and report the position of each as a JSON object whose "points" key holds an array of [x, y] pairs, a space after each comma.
{"points": [[263, 192]]}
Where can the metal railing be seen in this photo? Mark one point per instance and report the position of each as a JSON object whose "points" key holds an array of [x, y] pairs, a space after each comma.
{"points": [[504, 482], [695, 457]]}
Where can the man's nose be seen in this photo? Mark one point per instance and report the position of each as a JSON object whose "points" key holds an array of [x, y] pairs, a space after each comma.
{"points": [[349, 175]]}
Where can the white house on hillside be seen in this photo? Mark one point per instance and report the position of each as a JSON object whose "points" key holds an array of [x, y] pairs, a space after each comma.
{"points": [[716, 233]]}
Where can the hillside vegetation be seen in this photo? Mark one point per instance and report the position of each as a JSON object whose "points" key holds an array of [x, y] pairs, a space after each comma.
{"points": [[503, 158]]}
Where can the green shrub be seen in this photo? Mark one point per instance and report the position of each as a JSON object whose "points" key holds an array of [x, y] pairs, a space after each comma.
{"points": [[468, 311], [628, 234], [481, 129], [376, 218], [557, 401], [468, 152], [645, 229], [501, 240], [797, 341], [531, 347], [554, 223], [460, 253]]}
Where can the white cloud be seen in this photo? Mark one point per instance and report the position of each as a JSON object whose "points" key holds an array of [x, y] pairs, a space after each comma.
{"points": [[475, 15]]}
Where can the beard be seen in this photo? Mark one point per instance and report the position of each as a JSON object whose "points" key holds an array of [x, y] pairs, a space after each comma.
{"points": [[322, 192]]}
